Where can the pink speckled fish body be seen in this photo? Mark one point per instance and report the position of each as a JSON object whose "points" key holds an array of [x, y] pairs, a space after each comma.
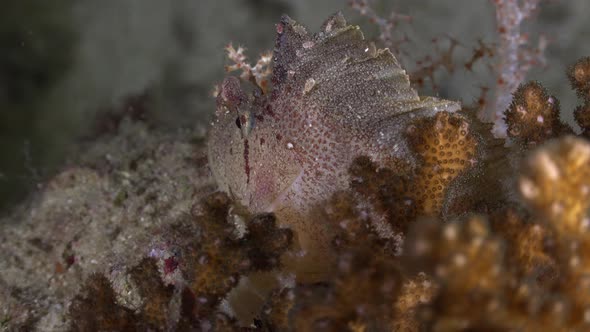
{"points": [[333, 98]]}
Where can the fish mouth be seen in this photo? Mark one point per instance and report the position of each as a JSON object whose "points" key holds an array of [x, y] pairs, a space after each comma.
{"points": [[278, 201]]}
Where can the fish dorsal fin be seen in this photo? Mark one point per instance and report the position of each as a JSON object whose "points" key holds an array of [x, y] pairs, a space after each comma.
{"points": [[340, 73], [334, 22], [290, 38]]}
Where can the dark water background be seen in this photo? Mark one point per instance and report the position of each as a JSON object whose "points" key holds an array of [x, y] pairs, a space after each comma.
{"points": [[68, 68]]}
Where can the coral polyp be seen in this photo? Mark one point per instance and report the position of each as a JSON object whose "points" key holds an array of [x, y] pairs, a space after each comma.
{"points": [[533, 115]]}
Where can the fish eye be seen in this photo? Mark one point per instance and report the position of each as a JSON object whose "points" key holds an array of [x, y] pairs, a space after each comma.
{"points": [[238, 123]]}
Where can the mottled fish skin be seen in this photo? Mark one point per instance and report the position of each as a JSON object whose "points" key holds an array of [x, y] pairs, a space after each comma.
{"points": [[333, 97]]}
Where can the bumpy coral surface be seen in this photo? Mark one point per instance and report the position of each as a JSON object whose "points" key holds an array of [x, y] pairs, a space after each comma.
{"points": [[579, 75], [533, 116], [446, 148]]}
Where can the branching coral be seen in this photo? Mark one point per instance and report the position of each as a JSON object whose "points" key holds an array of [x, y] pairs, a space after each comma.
{"points": [[360, 291], [579, 75], [155, 309], [446, 251], [529, 245], [218, 252], [500, 273], [97, 309], [210, 256], [582, 116], [447, 148], [522, 273], [533, 115], [416, 292], [556, 184], [358, 298], [469, 262], [382, 192]]}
